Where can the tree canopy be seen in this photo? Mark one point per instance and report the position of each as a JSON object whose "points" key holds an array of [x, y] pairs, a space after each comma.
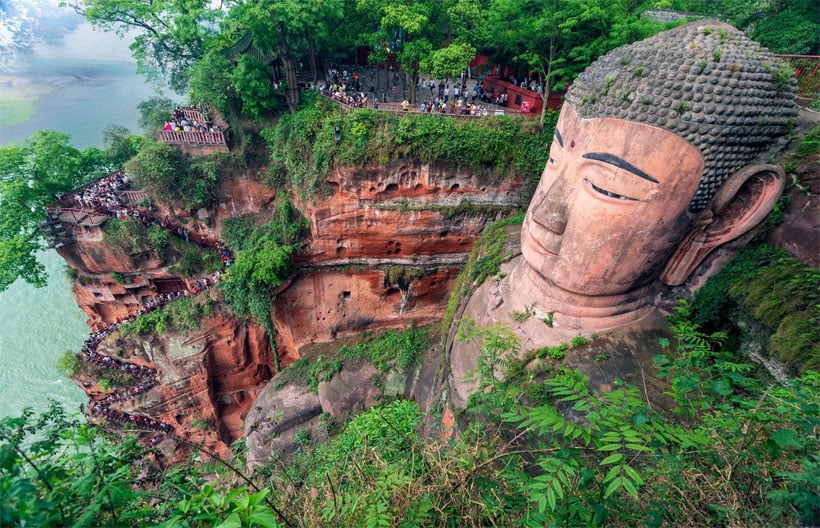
{"points": [[552, 40], [32, 174], [170, 34]]}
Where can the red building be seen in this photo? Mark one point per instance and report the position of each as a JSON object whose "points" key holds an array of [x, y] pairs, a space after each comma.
{"points": [[519, 98]]}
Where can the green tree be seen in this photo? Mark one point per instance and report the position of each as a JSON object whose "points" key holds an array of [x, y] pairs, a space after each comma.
{"points": [[425, 36], [252, 82], [171, 34], [59, 470], [154, 112], [292, 30], [557, 39], [163, 171], [211, 81], [452, 60], [784, 27], [263, 263], [121, 145], [790, 27], [32, 175]]}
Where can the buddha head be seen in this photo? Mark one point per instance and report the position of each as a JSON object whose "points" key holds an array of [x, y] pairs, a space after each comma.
{"points": [[659, 157]]}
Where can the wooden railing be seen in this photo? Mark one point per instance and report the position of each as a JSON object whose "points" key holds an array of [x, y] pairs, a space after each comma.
{"points": [[173, 137], [192, 114]]}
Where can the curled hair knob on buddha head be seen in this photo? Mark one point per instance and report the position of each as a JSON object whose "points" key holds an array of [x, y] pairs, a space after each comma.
{"points": [[705, 81]]}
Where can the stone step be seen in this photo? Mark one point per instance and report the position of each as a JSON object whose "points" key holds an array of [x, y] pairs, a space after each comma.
{"points": [[133, 197]]}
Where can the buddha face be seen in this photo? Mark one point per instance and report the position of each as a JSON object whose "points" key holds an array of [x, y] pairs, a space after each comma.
{"points": [[612, 204]]}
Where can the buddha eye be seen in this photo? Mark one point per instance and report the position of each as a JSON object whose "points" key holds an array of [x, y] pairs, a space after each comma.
{"points": [[610, 194]]}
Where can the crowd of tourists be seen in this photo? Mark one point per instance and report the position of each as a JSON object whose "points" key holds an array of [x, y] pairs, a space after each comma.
{"points": [[146, 375], [185, 122], [345, 87], [103, 197], [103, 192], [354, 99]]}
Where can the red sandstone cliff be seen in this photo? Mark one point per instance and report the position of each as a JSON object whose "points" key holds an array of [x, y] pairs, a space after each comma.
{"points": [[209, 376], [406, 214], [384, 250]]}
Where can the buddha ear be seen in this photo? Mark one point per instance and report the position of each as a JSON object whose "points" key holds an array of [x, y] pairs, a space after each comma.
{"points": [[742, 202]]}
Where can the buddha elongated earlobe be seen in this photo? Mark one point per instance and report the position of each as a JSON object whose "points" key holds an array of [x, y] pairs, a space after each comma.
{"points": [[742, 203]]}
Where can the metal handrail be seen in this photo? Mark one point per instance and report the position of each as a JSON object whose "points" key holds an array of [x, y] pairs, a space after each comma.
{"points": [[807, 71]]}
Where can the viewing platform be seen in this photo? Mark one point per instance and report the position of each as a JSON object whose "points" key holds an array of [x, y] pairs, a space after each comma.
{"points": [[193, 132]]}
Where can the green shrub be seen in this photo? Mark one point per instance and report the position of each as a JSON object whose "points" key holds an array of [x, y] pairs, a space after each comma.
{"points": [[303, 143], [68, 363], [156, 321], [159, 240], [188, 264], [237, 231], [125, 235], [492, 243], [185, 314], [810, 144], [169, 176], [777, 290], [394, 348], [520, 317]]}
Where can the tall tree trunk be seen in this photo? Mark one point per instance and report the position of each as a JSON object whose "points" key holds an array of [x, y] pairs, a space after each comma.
{"points": [[414, 79], [547, 87], [290, 70], [388, 73], [312, 56]]}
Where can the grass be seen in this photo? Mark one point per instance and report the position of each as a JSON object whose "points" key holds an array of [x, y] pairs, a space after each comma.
{"points": [[387, 350]]}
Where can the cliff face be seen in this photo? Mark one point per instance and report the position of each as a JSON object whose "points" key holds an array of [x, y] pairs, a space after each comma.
{"points": [[404, 213], [207, 379], [325, 304], [212, 376], [384, 250]]}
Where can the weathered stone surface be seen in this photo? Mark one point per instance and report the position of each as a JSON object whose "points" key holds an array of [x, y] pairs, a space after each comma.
{"points": [[799, 234], [384, 216], [274, 419], [379, 217], [279, 413], [399, 214], [329, 303], [211, 376], [349, 391]]}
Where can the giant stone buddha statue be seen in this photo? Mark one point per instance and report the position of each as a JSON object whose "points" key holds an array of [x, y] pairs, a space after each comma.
{"points": [[660, 156]]}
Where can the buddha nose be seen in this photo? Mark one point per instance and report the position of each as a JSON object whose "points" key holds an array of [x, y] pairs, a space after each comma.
{"points": [[551, 212]]}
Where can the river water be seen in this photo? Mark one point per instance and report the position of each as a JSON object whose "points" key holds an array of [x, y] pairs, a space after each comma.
{"points": [[86, 80]]}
